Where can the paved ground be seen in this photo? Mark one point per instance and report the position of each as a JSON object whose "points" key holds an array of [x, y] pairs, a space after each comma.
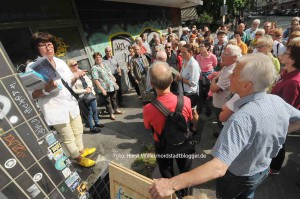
{"points": [[120, 140]]}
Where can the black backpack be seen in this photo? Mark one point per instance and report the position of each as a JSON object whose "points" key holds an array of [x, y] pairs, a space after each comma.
{"points": [[176, 137]]}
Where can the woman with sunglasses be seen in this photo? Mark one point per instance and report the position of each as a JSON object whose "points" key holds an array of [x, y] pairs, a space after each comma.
{"points": [[84, 86], [259, 34], [265, 45]]}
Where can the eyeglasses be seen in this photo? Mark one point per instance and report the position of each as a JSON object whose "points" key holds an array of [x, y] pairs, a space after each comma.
{"points": [[74, 64], [168, 47], [45, 45], [225, 54], [257, 34]]}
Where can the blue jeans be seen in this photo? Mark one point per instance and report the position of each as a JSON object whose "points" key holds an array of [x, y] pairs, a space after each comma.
{"points": [[240, 187], [93, 114]]}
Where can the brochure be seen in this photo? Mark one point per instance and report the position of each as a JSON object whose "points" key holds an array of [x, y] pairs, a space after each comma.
{"points": [[44, 67], [35, 81]]}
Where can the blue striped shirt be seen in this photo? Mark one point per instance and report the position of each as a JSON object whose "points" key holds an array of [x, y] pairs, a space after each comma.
{"points": [[254, 134]]}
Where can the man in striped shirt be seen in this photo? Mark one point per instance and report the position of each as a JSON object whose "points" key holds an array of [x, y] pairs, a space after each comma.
{"points": [[251, 137]]}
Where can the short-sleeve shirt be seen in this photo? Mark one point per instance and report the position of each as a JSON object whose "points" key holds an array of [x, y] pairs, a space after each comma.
{"points": [[278, 48], [112, 64], [254, 134], [220, 98], [191, 72], [103, 74], [154, 118]]}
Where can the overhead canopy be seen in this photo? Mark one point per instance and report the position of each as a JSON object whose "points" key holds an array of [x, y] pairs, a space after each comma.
{"points": [[165, 3], [189, 14]]}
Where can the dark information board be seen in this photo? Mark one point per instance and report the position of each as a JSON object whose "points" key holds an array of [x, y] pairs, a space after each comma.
{"points": [[33, 163]]}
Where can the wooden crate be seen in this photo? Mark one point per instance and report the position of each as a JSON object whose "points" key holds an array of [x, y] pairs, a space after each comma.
{"points": [[125, 183]]}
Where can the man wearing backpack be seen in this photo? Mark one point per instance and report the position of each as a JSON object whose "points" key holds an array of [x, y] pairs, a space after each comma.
{"points": [[166, 145], [251, 137]]}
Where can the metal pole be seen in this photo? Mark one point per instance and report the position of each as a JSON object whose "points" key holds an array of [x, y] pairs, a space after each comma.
{"points": [[223, 17]]}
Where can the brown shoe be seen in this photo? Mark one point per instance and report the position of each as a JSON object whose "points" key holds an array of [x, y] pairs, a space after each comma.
{"points": [[117, 111]]}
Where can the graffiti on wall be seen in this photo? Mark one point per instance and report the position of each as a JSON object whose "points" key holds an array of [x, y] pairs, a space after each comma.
{"points": [[120, 42], [121, 35], [61, 47]]}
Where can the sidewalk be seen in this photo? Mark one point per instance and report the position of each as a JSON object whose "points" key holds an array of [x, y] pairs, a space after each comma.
{"points": [[122, 139]]}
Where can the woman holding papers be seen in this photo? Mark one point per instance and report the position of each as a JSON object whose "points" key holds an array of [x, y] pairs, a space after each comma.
{"points": [[59, 106]]}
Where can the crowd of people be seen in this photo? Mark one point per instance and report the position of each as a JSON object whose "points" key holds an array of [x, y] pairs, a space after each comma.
{"points": [[237, 73], [233, 72]]}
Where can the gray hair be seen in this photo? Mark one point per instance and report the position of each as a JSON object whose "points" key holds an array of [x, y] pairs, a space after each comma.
{"points": [[261, 30], [160, 75], [161, 56], [234, 50], [160, 47], [70, 62], [266, 40], [108, 48], [182, 43], [138, 39], [155, 35], [259, 69], [256, 21]]}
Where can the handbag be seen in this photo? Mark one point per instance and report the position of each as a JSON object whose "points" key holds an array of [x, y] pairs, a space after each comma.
{"points": [[88, 98]]}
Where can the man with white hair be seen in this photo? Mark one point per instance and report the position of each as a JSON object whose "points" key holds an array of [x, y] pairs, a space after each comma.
{"points": [[251, 31], [139, 41], [139, 68], [152, 41], [251, 137], [220, 85], [115, 69]]}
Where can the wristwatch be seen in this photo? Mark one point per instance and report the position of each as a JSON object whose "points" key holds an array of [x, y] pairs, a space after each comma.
{"points": [[45, 92]]}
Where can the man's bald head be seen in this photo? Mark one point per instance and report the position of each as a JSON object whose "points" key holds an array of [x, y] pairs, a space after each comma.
{"points": [[161, 75]]}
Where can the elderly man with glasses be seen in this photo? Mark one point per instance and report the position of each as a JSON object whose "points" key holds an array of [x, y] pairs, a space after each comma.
{"points": [[220, 85], [251, 137]]}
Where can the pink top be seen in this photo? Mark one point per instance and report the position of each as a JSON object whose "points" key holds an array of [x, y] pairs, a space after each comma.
{"points": [[208, 63]]}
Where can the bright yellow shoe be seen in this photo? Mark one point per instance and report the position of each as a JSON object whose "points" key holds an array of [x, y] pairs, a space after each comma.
{"points": [[86, 162], [88, 151]]}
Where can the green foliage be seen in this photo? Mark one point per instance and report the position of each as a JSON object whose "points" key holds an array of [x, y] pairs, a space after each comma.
{"points": [[146, 162], [212, 7], [205, 19]]}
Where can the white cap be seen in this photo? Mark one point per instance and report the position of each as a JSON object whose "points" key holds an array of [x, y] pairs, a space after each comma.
{"points": [[185, 29]]}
